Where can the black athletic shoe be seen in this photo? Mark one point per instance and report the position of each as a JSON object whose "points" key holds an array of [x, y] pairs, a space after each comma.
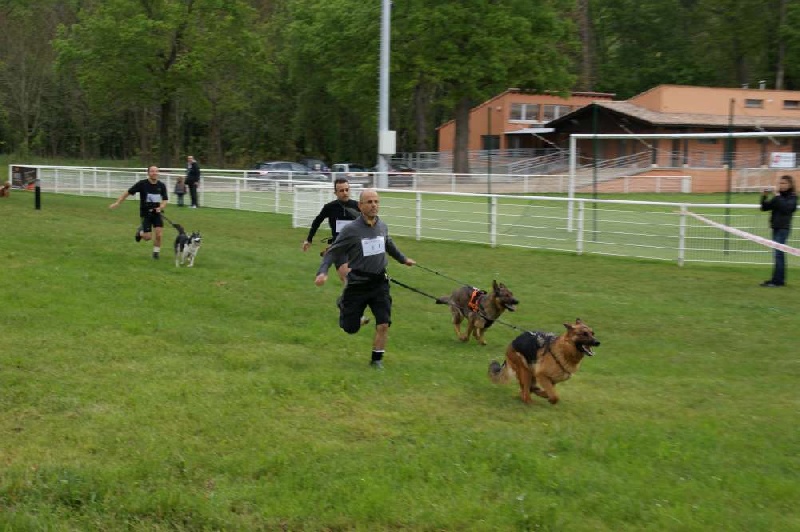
{"points": [[770, 284], [155, 255], [376, 364], [138, 236]]}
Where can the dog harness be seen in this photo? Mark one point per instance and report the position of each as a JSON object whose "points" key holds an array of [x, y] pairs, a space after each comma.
{"points": [[529, 343], [474, 305]]}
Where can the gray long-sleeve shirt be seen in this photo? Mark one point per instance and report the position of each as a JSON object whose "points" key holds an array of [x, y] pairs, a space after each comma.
{"points": [[365, 248]]}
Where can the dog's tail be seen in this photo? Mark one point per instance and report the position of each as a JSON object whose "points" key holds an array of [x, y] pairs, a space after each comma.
{"points": [[500, 373], [444, 300]]}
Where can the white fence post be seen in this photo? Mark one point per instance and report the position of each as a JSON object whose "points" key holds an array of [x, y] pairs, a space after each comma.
{"points": [[237, 195], [579, 236], [419, 215], [682, 236], [493, 224]]}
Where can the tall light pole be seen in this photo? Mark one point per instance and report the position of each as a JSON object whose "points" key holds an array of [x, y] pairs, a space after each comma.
{"points": [[386, 138]]}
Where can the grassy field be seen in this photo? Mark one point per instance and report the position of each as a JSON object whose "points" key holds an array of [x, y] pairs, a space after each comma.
{"points": [[138, 396]]}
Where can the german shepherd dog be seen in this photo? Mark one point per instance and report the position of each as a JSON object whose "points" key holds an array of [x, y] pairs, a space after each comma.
{"points": [[541, 360], [186, 246], [479, 308]]}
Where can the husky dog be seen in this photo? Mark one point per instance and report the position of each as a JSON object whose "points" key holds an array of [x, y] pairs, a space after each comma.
{"points": [[186, 246]]}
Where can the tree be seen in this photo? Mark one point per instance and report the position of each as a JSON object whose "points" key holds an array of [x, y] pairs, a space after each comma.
{"points": [[471, 49], [141, 56]]}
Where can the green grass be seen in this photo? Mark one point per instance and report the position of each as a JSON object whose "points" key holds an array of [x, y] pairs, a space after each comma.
{"points": [[138, 396]]}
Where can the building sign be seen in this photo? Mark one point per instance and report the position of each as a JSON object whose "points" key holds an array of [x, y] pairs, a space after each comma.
{"points": [[779, 159]]}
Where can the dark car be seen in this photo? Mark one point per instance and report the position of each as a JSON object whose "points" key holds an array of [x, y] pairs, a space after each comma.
{"points": [[315, 165], [286, 170], [399, 175]]}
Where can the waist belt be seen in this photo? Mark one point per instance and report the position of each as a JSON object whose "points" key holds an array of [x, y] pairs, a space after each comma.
{"points": [[371, 276]]}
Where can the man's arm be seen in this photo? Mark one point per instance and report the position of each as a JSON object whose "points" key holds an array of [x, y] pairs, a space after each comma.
{"points": [[315, 226], [120, 200]]}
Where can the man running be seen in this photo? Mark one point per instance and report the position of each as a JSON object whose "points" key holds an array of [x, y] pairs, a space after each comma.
{"points": [[152, 201]]}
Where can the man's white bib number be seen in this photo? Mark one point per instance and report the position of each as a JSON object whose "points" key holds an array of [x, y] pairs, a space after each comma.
{"points": [[373, 246]]}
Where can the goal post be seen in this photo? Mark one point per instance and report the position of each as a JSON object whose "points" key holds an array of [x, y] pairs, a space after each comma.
{"points": [[766, 158]]}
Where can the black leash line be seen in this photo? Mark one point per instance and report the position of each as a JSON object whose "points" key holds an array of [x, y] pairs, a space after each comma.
{"points": [[404, 285], [440, 274], [168, 220]]}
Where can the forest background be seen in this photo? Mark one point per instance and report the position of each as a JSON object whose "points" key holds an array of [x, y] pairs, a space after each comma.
{"points": [[238, 81]]}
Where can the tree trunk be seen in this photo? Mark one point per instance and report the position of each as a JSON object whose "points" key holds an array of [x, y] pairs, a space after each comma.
{"points": [[461, 145], [164, 115], [780, 61], [421, 107], [586, 75], [215, 136]]}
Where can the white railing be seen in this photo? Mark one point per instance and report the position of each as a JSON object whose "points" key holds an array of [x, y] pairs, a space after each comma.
{"points": [[651, 230]]}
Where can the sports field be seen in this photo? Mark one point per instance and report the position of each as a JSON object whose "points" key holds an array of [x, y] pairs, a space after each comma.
{"points": [[138, 396]]}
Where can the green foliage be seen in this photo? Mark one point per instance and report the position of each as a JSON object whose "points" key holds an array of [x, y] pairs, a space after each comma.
{"points": [[234, 81], [139, 396]]}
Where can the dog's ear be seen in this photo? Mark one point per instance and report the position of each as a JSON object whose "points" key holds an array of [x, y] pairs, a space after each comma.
{"points": [[494, 284], [578, 321], [568, 326]]}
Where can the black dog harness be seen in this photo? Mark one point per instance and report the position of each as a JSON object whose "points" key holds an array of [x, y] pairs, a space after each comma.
{"points": [[529, 343]]}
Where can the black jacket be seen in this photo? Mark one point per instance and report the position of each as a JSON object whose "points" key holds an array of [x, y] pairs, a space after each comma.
{"points": [[782, 206], [193, 174], [333, 211]]}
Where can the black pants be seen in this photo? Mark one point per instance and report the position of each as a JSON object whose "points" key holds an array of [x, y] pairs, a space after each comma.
{"points": [[356, 298], [193, 193]]}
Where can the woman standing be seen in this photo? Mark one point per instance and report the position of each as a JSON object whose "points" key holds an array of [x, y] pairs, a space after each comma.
{"points": [[782, 205]]}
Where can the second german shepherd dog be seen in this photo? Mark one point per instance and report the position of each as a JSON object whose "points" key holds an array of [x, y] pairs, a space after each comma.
{"points": [[479, 308], [541, 360]]}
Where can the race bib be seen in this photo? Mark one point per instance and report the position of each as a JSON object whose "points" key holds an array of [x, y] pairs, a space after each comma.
{"points": [[154, 198], [373, 246], [340, 224]]}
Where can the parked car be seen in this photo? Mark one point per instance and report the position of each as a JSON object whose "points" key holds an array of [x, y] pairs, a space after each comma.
{"points": [[286, 170], [355, 173], [399, 175], [315, 165]]}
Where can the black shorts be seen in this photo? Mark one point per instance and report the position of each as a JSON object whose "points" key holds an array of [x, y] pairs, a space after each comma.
{"points": [[356, 298], [150, 220]]}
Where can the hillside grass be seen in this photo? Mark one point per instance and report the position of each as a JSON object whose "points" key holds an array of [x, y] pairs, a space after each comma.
{"points": [[138, 396]]}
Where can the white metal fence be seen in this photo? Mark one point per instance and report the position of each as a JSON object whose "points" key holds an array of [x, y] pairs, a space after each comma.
{"points": [[651, 230]]}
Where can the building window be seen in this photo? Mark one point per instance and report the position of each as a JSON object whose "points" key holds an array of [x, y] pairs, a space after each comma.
{"points": [[551, 112], [791, 104], [490, 142], [753, 103], [524, 111]]}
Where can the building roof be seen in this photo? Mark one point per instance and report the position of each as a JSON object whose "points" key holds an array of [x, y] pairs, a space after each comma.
{"points": [[658, 118]]}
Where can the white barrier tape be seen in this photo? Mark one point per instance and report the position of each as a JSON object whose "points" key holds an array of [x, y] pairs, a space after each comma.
{"points": [[748, 236]]}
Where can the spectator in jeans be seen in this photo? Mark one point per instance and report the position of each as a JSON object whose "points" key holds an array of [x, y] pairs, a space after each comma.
{"points": [[782, 205]]}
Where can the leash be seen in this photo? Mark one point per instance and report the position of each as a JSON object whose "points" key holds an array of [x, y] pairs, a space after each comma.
{"points": [[440, 274], [168, 220], [404, 285]]}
